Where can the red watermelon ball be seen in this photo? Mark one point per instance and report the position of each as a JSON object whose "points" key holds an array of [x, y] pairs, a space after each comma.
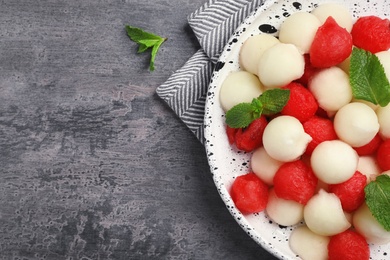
{"points": [[351, 192], [348, 245], [371, 33], [302, 104], [383, 155], [332, 44], [370, 147], [249, 138], [249, 193], [295, 181], [320, 129]]}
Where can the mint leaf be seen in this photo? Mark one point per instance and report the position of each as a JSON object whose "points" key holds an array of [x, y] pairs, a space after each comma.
{"points": [[240, 115], [257, 107], [368, 78], [269, 102], [378, 199], [274, 100], [145, 40], [142, 47]]}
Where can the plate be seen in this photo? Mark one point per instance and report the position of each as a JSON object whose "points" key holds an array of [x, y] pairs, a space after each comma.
{"points": [[225, 161]]}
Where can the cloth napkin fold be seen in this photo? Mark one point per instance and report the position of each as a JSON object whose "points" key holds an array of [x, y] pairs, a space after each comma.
{"points": [[213, 24]]}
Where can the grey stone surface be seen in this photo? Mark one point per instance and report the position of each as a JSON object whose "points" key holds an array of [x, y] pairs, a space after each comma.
{"points": [[93, 165]]}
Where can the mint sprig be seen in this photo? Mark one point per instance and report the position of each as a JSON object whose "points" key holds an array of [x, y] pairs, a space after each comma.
{"points": [[270, 102], [145, 40], [368, 78], [378, 199]]}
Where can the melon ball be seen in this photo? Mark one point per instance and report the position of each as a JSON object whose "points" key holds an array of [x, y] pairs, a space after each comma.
{"points": [[264, 166], [309, 245], [356, 124], [299, 29], [284, 212], [239, 87], [344, 65], [280, 64], [366, 224], [368, 166], [284, 138], [324, 215], [339, 12], [368, 103], [331, 88], [253, 48], [384, 58], [383, 114], [334, 161]]}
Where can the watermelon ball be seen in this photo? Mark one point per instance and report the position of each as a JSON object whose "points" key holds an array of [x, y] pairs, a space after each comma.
{"points": [[301, 104], [295, 181], [383, 155], [371, 33], [320, 129], [322, 113], [351, 192], [231, 134], [348, 245], [249, 138], [332, 44], [249, 193], [370, 147]]}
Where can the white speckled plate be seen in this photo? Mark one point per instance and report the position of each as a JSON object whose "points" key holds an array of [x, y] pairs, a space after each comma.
{"points": [[226, 162]]}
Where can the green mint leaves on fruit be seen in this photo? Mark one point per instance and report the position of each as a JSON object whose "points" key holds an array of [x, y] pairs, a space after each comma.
{"points": [[274, 100], [242, 115], [378, 199], [368, 78], [270, 102], [145, 40]]}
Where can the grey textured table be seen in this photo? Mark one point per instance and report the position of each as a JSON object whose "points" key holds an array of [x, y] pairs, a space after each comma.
{"points": [[93, 164]]}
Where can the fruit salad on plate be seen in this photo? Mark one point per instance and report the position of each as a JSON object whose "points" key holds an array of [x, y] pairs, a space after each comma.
{"points": [[307, 111]]}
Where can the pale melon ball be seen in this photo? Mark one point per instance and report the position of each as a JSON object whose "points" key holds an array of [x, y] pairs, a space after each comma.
{"points": [[331, 88], [384, 58], [356, 124], [339, 12], [309, 245], [299, 29], [264, 166], [344, 65], [253, 48], [383, 114], [366, 224], [324, 215], [368, 166], [280, 64], [371, 105], [283, 212], [284, 138], [239, 87], [334, 161]]}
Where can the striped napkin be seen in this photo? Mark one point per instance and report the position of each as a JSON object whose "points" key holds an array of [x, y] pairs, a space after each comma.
{"points": [[213, 24]]}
